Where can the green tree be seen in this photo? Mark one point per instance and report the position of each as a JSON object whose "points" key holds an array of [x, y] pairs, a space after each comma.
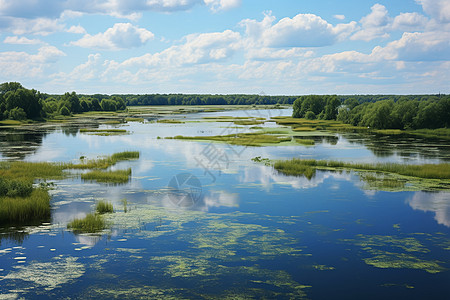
{"points": [[17, 114], [331, 108]]}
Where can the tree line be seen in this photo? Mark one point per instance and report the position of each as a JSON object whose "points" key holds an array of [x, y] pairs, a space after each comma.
{"points": [[19, 103], [379, 111]]}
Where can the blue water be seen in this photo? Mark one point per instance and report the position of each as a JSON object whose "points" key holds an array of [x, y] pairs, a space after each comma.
{"points": [[249, 231]]}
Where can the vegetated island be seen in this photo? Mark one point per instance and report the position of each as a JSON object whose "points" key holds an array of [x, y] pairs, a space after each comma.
{"points": [[384, 176], [24, 192]]}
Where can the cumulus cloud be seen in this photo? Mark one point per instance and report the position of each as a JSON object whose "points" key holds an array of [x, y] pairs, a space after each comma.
{"points": [[304, 30], [40, 26], [217, 5], [14, 64], [409, 21], [374, 25], [77, 29], [131, 9], [417, 46], [432, 202], [120, 36], [438, 9], [20, 40]]}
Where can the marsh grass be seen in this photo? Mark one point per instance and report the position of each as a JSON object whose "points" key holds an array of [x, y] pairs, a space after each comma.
{"points": [[443, 133], [34, 207], [170, 121], [140, 120], [118, 176], [306, 142], [92, 223], [248, 122], [430, 171], [104, 207], [32, 170], [10, 123], [103, 132], [242, 139], [21, 202], [106, 162]]}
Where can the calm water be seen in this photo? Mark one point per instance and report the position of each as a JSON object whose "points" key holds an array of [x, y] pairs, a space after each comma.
{"points": [[204, 221]]}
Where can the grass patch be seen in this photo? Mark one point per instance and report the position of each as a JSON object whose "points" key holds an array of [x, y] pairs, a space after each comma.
{"points": [[106, 162], [90, 224], [32, 170], [103, 132], [112, 122], [389, 131], [35, 207], [140, 120], [443, 133], [429, 171], [306, 142], [118, 176], [104, 207], [242, 139], [248, 122], [10, 122], [170, 121]]}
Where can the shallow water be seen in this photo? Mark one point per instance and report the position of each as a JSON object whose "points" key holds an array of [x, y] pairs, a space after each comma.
{"points": [[240, 230]]}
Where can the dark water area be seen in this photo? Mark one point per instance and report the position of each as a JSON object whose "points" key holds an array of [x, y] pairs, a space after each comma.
{"points": [[203, 221]]}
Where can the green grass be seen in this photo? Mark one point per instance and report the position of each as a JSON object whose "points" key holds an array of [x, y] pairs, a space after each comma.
{"points": [[90, 224], [243, 139], [170, 121], [10, 122], [104, 207], [306, 142], [118, 176], [106, 162], [32, 170], [432, 133], [103, 132], [35, 207], [430, 171], [248, 122], [389, 131], [130, 119]]}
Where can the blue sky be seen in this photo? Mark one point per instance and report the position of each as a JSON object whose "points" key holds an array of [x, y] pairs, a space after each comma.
{"points": [[284, 47]]}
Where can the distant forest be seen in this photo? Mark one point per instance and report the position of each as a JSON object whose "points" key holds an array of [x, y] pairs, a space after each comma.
{"points": [[376, 111]]}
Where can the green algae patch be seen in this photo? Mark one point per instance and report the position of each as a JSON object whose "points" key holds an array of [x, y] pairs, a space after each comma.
{"points": [[46, 275], [384, 253], [323, 268], [388, 260]]}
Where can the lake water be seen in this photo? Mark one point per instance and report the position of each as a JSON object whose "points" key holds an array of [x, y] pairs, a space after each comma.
{"points": [[203, 221]]}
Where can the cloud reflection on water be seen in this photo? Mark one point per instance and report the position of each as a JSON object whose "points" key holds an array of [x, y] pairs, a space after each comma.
{"points": [[439, 203]]}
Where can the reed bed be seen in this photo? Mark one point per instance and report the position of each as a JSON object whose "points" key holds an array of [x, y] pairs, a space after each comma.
{"points": [[117, 177], [242, 139], [104, 163], [430, 171], [34, 207], [104, 207], [92, 223]]}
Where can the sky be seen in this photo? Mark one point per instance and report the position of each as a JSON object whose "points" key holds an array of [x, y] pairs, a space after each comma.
{"points": [[282, 47]]}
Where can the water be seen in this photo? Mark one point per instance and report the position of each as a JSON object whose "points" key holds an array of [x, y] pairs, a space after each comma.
{"points": [[241, 230]]}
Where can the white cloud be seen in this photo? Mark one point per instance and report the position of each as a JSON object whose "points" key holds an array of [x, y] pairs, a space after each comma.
{"points": [[217, 5], [21, 40], [432, 202], [77, 29], [417, 46], [374, 25], [22, 64], [409, 22], [120, 36], [339, 17], [438, 9], [304, 30], [40, 26]]}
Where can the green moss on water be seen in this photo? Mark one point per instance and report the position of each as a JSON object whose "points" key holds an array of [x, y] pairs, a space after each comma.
{"points": [[242, 139], [104, 132]]}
